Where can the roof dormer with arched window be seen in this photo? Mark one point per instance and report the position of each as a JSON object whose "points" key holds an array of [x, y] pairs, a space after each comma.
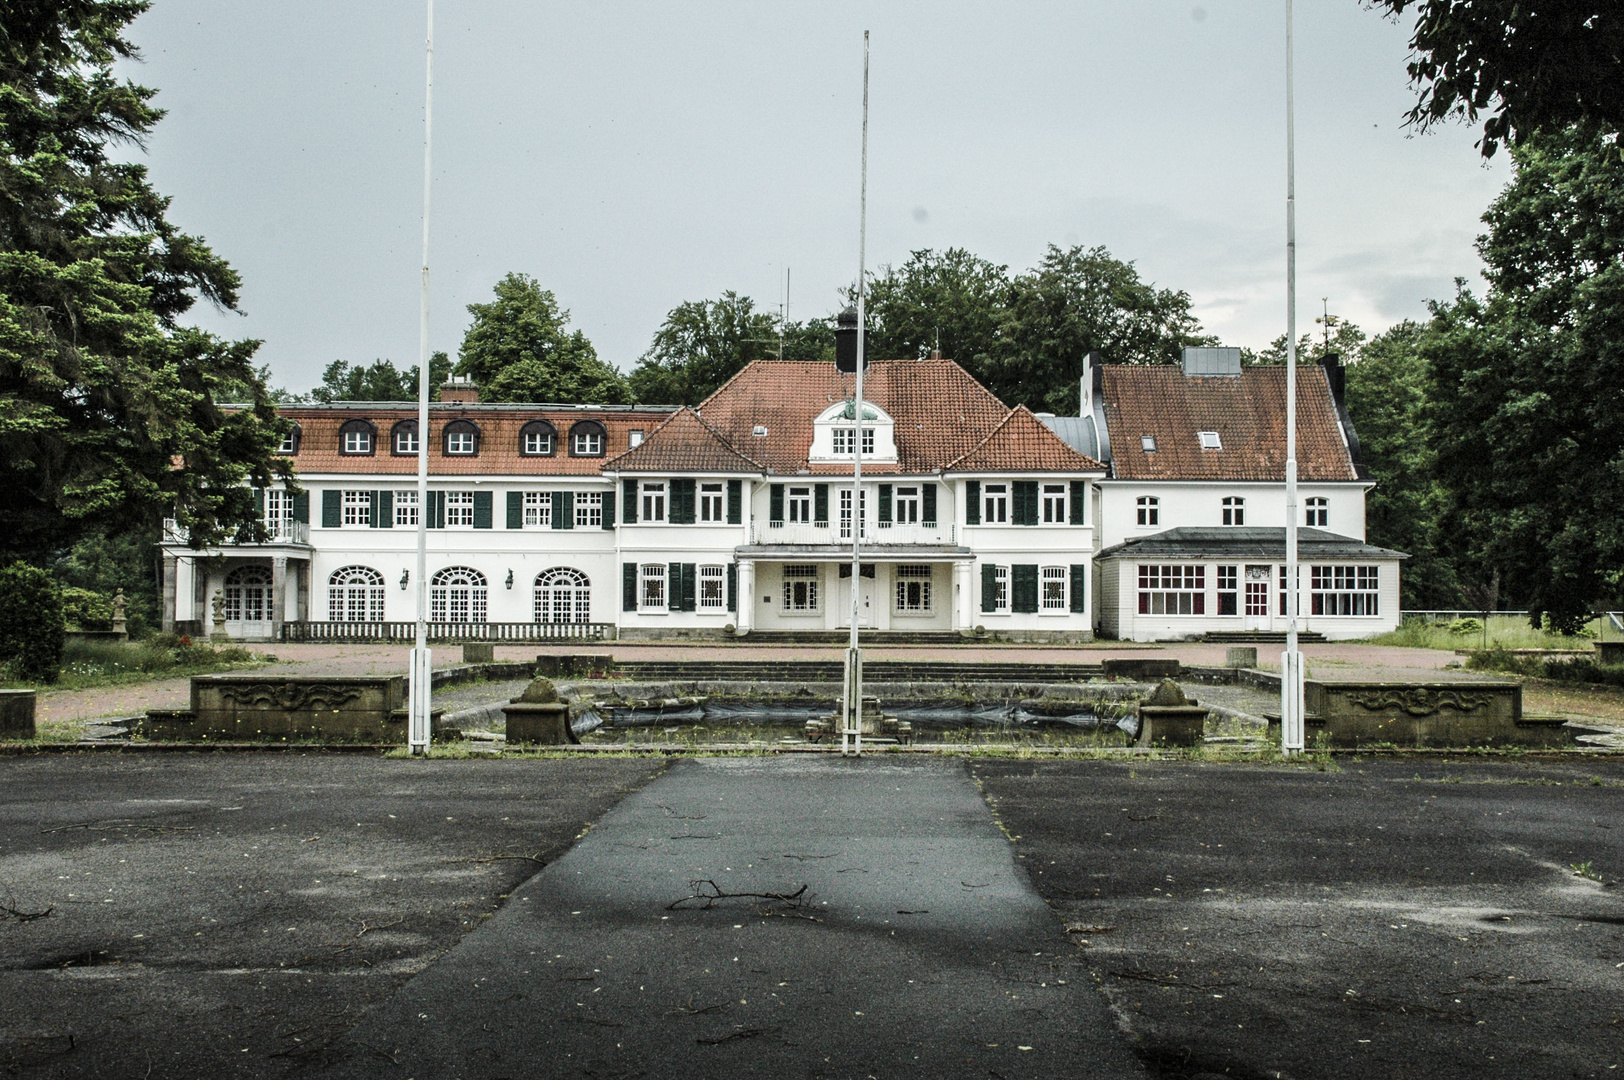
{"points": [[835, 434]]}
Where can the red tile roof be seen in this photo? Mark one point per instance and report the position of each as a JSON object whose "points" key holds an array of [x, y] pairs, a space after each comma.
{"points": [[498, 438], [1022, 443], [941, 413], [684, 443], [1247, 411]]}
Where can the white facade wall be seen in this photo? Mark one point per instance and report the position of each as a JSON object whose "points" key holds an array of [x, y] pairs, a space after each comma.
{"points": [[1200, 504]]}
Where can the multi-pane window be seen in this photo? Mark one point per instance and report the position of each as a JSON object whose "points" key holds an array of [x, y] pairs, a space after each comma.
{"points": [[1150, 510], [1054, 504], [355, 594], [459, 442], [710, 502], [1319, 512], [538, 443], [913, 588], [801, 588], [357, 441], [588, 509], [907, 506], [845, 515], [1282, 580], [1172, 590], [1228, 590], [290, 443], [1234, 510], [406, 507], [459, 509], [843, 439], [1343, 590], [995, 504], [712, 588], [1000, 589], [563, 595], [587, 443], [800, 504], [1257, 591], [1052, 582], [651, 587], [538, 511], [358, 508], [458, 595], [406, 438], [653, 500], [278, 511]]}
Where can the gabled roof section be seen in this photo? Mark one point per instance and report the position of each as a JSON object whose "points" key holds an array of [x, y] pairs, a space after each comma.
{"points": [[1022, 443], [684, 443], [939, 412], [1247, 411]]}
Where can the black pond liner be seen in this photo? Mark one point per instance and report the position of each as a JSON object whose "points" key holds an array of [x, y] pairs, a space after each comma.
{"points": [[794, 713]]}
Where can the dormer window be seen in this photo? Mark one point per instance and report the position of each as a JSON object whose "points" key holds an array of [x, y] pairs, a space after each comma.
{"points": [[357, 437], [1210, 440], [290, 441], [835, 434], [537, 439], [1147, 443], [403, 439], [587, 439], [461, 438]]}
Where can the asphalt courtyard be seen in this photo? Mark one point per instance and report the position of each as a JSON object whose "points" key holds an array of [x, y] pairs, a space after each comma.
{"points": [[214, 915]]}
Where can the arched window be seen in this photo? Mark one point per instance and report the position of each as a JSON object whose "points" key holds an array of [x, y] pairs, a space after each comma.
{"points": [[355, 594], [290, 441], [538, 438], [357, 437], [461, 438], [403, 438], [457, 594], [1234, 510], [588, 439], [563, 595], [248, 595], [1150, 510]]}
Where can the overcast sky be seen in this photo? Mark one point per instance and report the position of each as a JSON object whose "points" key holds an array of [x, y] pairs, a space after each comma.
{"points": [[632, 156]]}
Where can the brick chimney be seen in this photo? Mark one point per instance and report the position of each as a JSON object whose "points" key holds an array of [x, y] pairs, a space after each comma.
{"points": [[461, 391]]}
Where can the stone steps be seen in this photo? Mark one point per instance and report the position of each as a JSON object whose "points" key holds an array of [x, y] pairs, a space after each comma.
{"points": [[833, 671], [865, 637], [1260, 637]]}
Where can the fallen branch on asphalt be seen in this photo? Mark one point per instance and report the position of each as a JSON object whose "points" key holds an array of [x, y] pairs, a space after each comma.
{"points": [[710, 892]]}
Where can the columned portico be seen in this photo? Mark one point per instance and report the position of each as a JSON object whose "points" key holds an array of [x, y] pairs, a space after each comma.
{"points": [[746, 596]]}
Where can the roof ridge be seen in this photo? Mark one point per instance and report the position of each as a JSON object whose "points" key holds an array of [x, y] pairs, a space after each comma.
{"points": [[688, 410], [989, 436]]}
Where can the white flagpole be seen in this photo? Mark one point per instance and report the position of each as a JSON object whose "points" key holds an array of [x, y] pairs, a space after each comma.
{"points": [[420, 680], [854, 656], [1291, 661]]}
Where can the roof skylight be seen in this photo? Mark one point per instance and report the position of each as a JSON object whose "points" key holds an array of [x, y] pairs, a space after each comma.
{"points": [[1147, 443], [1210, 440]]}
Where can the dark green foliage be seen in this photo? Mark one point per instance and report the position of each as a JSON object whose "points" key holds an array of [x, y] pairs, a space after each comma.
{"points": [[954, 301], [101, 565], [381, 381], [701, 345], [101, 386], [1526, 387], [1572, 669], [31, 624], [1535, 63], [519, 348]]}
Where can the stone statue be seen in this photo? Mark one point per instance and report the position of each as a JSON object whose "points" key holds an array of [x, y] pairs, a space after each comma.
{"points": [[218, 603], [120, 605]]}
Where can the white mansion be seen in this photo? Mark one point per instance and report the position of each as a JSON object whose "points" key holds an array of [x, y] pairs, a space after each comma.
{"points": [[1157, 512]]}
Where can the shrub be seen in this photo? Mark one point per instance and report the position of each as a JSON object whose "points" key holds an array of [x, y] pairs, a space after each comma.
{"points": [[32, 630], [1462, 627], [86, 609]]}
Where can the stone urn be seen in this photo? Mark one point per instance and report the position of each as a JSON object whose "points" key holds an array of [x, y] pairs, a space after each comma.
{"points": [[1168, 718], [537, 716]]}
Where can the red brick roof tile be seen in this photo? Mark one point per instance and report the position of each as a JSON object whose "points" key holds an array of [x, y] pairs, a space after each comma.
{"points": [[1247, 411], [1023, 443], [684, 443]]}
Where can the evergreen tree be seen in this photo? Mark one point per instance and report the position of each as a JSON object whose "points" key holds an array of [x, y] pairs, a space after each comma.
{"points": [[519, 348]]}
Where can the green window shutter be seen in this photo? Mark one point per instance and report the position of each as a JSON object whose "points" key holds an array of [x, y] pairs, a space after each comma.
{"points": [[929, 511], [436, 518], [1079, 588], [1023, 587], [885, 506], [972, 502], [332, 509], [482, 509], [301, 507], [515, 509], [733, 586], [1026, 502], [735, 502], [989, 587], [673, 586], [383, 508], [1079, 503], [563, 509], [630, 509], [775, 503], [682, 502], [628, 586], [259, 501], [820, 505], [609, 509], [690, 586]]}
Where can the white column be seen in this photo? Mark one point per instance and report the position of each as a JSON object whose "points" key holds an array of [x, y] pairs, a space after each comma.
{"points": [[170, 564], [747, 596], [279, 594], [964, 598]]}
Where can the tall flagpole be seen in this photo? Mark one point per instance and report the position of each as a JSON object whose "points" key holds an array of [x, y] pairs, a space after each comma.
{"points": [[1291, 661], [852, 726], [422, 660]]}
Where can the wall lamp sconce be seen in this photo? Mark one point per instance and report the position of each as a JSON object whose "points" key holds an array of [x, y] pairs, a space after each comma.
{"points": [[405, 576], [510, 578]]}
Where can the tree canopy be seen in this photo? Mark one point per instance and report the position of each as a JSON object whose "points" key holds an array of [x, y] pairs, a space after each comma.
{"points": [[107, 410], [519, 348], [952, 300], [378, 381], [701, 345], [1519, 65]]}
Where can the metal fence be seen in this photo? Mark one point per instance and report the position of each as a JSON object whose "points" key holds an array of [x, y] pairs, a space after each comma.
{"points": [[352, 632]]}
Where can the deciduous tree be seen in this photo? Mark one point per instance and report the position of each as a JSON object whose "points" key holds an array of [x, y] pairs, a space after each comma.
{"points": [[519, 348], [701, 345]]}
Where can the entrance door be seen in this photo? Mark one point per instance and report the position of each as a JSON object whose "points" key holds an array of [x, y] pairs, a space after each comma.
{"points": [[247, 606], [865, 601], [1258, 582]]}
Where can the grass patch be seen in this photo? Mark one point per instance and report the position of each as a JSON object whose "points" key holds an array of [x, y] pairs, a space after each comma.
{"points": [[87, 664], [1573, 669], [1504, 632]]}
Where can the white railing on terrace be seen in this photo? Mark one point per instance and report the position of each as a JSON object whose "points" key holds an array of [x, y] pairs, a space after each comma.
{"points": [[874, 534], [282, 531], [343, 632]]}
